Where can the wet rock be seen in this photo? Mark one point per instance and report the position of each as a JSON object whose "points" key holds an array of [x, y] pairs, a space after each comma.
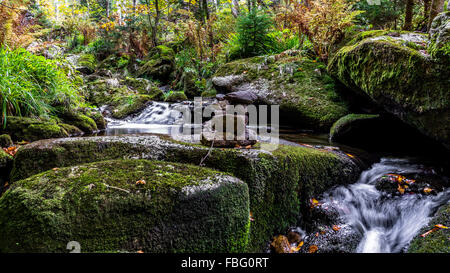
{"points": [[83, 63], [242, 97], [175, 96], [403, 80], [29, 129], [5, 141], [280, 181], [437, 241], [124, 96], [440, 37], [200, 209], [411, 183], [159, 64], [306, 99]]}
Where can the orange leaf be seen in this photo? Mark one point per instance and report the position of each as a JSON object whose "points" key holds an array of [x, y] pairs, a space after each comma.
{"points": [[140, 182], [427, 190], [336, 228], [400, 189], [297, 248], [440, 226], [313, 248]]}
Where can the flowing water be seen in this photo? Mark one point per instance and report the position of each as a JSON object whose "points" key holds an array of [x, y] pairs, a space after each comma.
{"points": [[386, 223], [157, 118]]}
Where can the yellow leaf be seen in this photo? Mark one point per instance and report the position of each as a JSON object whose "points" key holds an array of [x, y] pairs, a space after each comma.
{"points": [[313, 249], [427, 190]]}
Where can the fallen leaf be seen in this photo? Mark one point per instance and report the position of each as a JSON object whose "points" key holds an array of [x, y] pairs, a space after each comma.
{"points": [[251, 217], [400, 189], [248, 146], [297, 248], [281, 244], [440, 226], [350, 155], [427, 190], [140, 182], [313, 248], [336, 228], [55, 169], [428, 232], [313, 202], [140, 251]]}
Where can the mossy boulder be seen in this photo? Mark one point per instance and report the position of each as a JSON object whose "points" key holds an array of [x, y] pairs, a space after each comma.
{"points": [[130, 105], [5, 141], [435, 242], [440, 37], [306, 94], [280, 182], [70, 129], [190, 88], [5, 159], [123, 96], [97, 117], [178, 208], [84, 63], [175, 96], [345, 124], [79, 120], [403, 80], [159, 64], [30, 129]]}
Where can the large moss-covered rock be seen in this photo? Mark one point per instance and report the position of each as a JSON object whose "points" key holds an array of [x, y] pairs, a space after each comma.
{"points": [[440, 37], [29, 129], [177, 208], [5, 141], [84, 63], [79, 120], [395, 71], [175, 96], [280, 182], [159, 64], [123, 96], [435, 242], [306, 94]]}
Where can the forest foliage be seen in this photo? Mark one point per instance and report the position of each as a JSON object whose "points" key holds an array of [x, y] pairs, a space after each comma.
{"points": [[202, 33]]}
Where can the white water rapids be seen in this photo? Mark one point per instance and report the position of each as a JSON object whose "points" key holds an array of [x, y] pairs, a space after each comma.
{"points": [[386, 223]]}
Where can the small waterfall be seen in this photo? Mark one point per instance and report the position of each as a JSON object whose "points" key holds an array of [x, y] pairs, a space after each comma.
{"points": [[158, 117], [386, 223]]}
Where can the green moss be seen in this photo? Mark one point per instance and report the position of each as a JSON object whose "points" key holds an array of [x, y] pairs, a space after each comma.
{"points": [[402, 80], [130, 105], [5, 159], [29, 129], [88, 62], [302, 88], [159, 63], [81, 121], [280, 184], [5, 141], [348, 119], [175, 96], [435, 242], [180, 208], [70, 129]]}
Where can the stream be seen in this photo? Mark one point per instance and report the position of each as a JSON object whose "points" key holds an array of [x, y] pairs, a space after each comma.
{"points": [[385, 223]]}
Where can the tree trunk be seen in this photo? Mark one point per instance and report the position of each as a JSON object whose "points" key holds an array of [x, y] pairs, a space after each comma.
{"points": [[408, 15], [426, 8], [235, 8], [436, 7]]}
